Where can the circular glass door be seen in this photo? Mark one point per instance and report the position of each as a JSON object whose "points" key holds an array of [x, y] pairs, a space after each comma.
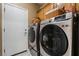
{"points": [[31, 35], [54, 40]]}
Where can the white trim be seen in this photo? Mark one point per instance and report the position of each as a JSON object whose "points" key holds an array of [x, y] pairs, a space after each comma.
{"points": [[2, 29]]}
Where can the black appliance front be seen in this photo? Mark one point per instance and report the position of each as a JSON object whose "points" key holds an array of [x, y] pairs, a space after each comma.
{"points": [[75, 40], [54, 40], [77, 34]]}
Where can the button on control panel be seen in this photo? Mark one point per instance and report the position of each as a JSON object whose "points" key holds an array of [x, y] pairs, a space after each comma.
{"points": [[64, 25]]}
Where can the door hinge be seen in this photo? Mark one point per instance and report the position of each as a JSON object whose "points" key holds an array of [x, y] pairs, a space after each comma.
{"points": [[4, 50], [4, 29], [4, 9]]}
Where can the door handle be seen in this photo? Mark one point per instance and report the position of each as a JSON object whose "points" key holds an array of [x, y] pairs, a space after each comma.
{"points": [[25, 32], [25, 29]]}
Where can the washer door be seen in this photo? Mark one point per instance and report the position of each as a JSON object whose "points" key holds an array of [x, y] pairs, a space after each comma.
{"points": [[31, 35], [54, 40]]}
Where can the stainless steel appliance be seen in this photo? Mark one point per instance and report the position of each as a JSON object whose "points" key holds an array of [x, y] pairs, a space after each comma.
{"points": [[32, 35]]}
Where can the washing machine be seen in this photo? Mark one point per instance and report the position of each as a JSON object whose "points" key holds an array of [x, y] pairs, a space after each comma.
{"points": [[56, 36], [32, 35]]}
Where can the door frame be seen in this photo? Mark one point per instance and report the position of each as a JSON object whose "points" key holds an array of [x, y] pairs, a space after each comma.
{"points": [[3, 13]]}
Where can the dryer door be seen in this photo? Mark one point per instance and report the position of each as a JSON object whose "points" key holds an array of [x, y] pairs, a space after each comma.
{"points": [[31, 40], [54, 40], [31, 35]]}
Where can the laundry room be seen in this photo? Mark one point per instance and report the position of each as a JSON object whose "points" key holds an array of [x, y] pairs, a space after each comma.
{"points": [[39, 29], [54, 30]]}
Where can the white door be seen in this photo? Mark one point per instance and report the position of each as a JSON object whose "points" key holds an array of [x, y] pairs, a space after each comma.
{"points": [[15, 24]]}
